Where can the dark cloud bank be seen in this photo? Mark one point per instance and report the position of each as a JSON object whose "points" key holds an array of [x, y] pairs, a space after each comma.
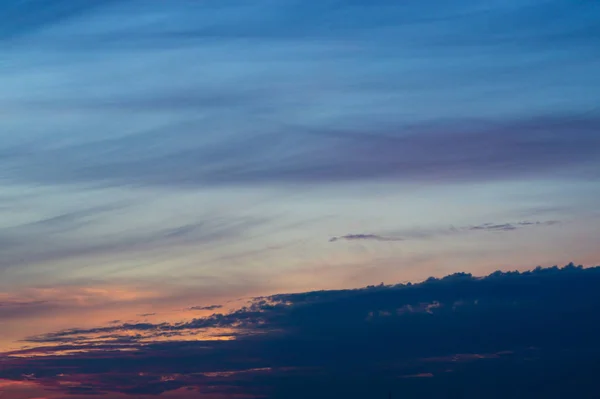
{"points": [[520, 335]]}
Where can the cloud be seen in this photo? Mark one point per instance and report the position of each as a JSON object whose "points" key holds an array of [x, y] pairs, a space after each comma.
{"points": [[511, 226], [455, 152], [54, 239], [341, 337], [422, 234], [416, 234], [262, 310], [292, 94], [211, 307], [245, 104], [495, 227], [366, 237]]}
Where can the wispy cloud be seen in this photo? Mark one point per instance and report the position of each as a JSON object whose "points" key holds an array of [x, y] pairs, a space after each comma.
{"points": [[225, 124], [416, 234], [51, 245], [365, 237], [211, 307], [510, 226], [159, 122], [450, 153]]}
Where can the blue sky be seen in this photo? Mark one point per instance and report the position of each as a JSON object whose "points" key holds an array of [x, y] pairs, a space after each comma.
{"points": [[167, 154]]}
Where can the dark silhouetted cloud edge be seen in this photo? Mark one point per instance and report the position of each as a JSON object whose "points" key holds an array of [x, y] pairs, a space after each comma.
{"points": [[449, 329]]}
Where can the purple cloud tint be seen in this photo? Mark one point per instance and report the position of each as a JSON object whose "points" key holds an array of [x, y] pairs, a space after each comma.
{"points": [[455, 151]]}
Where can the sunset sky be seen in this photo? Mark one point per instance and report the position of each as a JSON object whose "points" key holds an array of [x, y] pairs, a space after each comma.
{"points": [[162, 160]]}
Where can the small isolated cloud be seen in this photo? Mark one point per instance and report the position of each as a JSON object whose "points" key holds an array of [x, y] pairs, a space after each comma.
{"points": [[494, 227], [488, 227], [369, 237], [510, 226], [211, 307]]}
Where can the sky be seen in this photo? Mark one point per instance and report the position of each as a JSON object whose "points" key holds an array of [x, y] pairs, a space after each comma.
{"points": [[161, 161]]}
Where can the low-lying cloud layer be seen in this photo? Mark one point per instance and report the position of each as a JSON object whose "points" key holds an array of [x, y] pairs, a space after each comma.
{"points": [[453, 333]]}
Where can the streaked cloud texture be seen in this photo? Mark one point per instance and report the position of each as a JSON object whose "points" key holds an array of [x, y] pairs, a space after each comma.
{"points": [[163, 160]]}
